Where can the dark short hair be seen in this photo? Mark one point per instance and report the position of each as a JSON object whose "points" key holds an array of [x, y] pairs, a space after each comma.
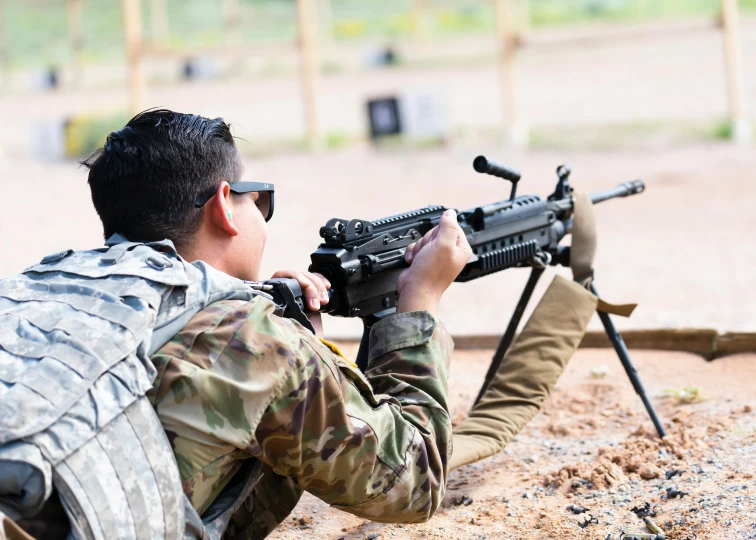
{"points": [[145, 178]]}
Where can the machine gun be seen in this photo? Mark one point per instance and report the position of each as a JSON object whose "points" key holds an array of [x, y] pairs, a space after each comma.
{"points": [[363, 259]]}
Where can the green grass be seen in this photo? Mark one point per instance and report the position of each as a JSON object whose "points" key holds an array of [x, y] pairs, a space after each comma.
{"points": [[87, 133], [36, 31], [632, 135]]}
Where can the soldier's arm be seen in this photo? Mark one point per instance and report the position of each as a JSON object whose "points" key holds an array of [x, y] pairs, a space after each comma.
{"points": [[376, 449]]}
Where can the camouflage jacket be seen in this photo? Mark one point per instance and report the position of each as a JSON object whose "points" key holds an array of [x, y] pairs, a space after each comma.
{"points": [[241, 382]]}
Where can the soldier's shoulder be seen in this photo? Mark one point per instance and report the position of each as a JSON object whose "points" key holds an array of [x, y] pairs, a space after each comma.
{"points": [[230, 312]]}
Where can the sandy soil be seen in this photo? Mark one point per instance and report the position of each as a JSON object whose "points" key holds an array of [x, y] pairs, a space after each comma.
{"points": [[593, 447]]}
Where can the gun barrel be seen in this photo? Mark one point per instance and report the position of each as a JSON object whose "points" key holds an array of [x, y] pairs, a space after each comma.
{"points": [[623, 190]]}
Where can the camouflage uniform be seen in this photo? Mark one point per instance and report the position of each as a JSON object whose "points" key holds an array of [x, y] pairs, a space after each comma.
{"points": [[239, 382]]}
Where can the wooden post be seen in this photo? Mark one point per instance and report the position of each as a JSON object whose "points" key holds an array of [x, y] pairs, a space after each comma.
{"points": [[420, 19], [132, 29], [159, 28], [741, 129], [231, 21], [75, 39], [308, 61], [516, 132]]}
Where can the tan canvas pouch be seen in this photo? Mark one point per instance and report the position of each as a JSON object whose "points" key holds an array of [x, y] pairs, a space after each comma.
{"points": [[583, 252], [584, 240], [527, 374], [10, 531]]}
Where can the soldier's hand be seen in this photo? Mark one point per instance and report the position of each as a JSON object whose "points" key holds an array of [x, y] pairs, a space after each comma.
{"points": [[435, 261], [314, 286]]}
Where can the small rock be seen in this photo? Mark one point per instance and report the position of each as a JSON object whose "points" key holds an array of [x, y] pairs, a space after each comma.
{"points": [[673, 493], [374, 536], [526, 495], [575, 509], [463, 500], [648, 472], [623, 487], [600, 371]]}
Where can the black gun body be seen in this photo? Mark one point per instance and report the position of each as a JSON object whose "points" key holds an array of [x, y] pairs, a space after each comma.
{"points": [[363, 259], [363, 267], [363, 271]]}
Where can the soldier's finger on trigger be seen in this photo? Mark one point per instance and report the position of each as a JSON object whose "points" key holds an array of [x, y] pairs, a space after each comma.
{"points": [[323, 279], [319, 282], [315, 279], [309, 290]]}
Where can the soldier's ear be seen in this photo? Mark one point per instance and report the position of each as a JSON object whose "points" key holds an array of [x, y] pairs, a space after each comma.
{"points": [[219, 208]]}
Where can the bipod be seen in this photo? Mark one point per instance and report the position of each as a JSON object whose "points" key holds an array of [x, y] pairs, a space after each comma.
{"points": [[611, 331]]}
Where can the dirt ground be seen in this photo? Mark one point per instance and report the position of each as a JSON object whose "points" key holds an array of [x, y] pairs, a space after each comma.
{"points": [[593, 447]]}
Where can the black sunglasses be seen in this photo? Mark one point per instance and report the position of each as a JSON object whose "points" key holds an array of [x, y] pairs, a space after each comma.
{"points": [[264, 200]]}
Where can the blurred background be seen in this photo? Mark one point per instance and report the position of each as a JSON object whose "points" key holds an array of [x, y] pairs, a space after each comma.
{"points": [[367, 108]]}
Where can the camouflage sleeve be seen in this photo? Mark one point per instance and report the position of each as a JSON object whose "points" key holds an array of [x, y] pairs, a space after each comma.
{"points": [[240, 381], [374, 445]]}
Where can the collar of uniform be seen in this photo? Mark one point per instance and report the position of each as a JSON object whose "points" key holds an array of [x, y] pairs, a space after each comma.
{"points": [[164, 246]]}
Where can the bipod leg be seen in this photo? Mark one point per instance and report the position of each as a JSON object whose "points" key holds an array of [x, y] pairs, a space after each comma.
{"points": [[514, 322], [624, 356]]}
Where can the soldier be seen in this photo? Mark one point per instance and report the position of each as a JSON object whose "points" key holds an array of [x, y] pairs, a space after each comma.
{"points": [[256, 408], [240, 383]]}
